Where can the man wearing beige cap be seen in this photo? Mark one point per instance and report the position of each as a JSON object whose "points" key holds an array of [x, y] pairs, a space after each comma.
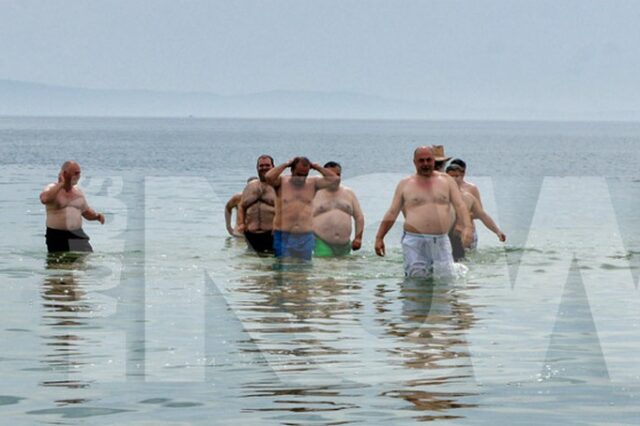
{"points": [[441, 159]]}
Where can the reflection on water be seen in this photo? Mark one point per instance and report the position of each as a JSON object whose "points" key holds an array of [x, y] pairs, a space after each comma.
{"points": [[333, 341], [430, 339], [63, 309]]}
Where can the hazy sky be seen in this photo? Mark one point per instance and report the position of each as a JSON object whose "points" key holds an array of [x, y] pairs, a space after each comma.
{"points": [[468, 52]]}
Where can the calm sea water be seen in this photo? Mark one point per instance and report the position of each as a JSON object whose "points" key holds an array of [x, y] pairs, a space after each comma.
{"points": [[170, 321]]}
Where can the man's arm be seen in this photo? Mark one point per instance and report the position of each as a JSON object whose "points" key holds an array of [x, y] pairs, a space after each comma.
{"points": [[358, 216], [48, 195], [91, 214], [478, 212], [462, 212], [273, 176], [240, 215], [473, 190], [328, 177], [234, 201], [389, 218]]}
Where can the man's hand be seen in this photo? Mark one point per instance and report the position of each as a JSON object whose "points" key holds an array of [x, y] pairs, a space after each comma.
{"points": [[315, 166], [100, 218], [240, 229], [356, 244], [467, 236], [380, 247], [501, 236]]}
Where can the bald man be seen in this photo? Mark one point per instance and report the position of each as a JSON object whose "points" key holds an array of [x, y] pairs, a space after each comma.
{"points": [[425, 200], [66, 206]]}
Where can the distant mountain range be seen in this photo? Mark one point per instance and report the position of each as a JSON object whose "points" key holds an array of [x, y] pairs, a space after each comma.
{"points": [[19, 98]]}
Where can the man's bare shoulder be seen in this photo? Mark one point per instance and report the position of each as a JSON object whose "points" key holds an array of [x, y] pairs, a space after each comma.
{"points": [[406, 182], [407, 179], [446, 178], [470, 187], [252, 186]]}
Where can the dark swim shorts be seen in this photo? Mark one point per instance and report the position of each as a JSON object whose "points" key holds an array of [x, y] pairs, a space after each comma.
{"points": [[59, 240], [261, 242], [457, 249]]}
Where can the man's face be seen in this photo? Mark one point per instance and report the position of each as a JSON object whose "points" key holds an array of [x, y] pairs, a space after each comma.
{"points": [[424, 162], [72, 174], [264, 165], [336, 170], [456, 175], [301, 169]]}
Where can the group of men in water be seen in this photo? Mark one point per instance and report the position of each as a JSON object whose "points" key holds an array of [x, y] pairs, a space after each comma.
{"points": [[295, 215]]}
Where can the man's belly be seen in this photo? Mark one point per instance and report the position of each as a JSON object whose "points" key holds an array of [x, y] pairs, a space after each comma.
{"points": [[296, 217], [428, 219], [67, 219], [334, 226]]}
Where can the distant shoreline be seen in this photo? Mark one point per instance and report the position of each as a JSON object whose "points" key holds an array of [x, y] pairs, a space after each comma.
{"points": [[320, 119], [28, 99]]}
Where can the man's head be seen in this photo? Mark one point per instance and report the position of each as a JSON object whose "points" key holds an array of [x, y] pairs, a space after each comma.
{"points": [[460, 163], [441, 159], [263, 165], [336, 168], [424, 160], [300, 166], [70, 172], [456, 172]]}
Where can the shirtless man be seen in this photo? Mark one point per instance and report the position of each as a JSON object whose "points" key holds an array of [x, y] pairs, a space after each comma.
{"points": [[333, 208], [257, 208], [66, 206], [425, 199], [475, 208], [471, 188], [233, 203], [293, 222]]}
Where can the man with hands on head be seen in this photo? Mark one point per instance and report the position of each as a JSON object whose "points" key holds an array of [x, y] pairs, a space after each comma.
{"points": [[425, 199], [66, 206], [293, 222]]}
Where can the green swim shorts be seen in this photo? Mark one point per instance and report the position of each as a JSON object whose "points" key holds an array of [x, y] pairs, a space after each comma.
{"points": [[324, 249]]}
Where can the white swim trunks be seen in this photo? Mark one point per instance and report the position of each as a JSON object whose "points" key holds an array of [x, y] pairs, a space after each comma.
{"points": [[427, 255]]}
